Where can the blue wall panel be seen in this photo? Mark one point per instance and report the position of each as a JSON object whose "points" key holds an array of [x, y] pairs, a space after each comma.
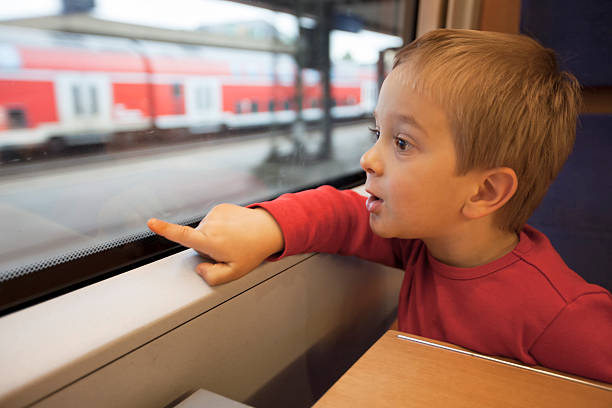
{"points": [[579, 30], [576, 213]]}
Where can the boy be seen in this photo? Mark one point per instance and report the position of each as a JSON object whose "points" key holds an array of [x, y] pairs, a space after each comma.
{"points": [[471, 129]]}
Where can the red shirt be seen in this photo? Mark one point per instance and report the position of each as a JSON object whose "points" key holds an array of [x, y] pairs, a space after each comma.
{"points": [[527, 305]]}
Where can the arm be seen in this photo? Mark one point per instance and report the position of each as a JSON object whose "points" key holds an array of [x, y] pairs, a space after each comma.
{"points": [[239, 239], [579, 339], [331, 221]]}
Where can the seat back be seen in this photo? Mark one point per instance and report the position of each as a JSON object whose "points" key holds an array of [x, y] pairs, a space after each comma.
{"points": [[576, 213]]}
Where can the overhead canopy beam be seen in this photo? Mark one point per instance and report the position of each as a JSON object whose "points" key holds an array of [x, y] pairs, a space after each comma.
{"points": [[86, 24]]}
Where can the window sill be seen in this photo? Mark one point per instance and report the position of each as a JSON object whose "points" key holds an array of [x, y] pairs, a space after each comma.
{"points": [[58, 341]]}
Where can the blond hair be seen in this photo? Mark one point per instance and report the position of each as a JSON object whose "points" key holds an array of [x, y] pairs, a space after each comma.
{"points": [[508, 105]]}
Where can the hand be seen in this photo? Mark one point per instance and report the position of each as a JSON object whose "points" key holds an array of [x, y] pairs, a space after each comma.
{"points": [[238, 239]]}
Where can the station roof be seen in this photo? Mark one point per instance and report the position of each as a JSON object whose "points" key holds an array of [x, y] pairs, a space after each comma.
{"points": [[385, 16]]}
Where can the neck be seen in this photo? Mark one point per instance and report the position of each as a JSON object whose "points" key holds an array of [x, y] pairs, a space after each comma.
{"points": [[473, 244]]}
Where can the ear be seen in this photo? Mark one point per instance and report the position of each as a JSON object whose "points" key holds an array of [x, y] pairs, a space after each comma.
{"points": [[493, 189]]}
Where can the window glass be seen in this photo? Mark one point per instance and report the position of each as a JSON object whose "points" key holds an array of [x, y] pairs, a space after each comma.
{"points": [[168, 112]]}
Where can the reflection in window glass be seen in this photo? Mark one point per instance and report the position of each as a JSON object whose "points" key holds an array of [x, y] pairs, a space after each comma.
{"points": [[98, 132]]}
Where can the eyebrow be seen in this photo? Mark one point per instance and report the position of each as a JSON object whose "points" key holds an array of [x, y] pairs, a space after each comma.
{"points": [[409, 119]]}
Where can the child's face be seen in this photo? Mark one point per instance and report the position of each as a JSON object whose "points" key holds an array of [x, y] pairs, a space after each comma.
{"points": [[411, 167]]}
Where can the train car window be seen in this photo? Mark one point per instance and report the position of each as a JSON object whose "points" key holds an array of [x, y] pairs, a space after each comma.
{"points": [[100, 131], [16, 118], [93, 100], [77, 103], [176, 90]]}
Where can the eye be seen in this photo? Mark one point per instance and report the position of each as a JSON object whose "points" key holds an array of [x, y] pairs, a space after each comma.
{"points": [[375, 132], [402, 144]]}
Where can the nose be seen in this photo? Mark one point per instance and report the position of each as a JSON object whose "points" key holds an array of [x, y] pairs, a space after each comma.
{"points": [[371, 162]]}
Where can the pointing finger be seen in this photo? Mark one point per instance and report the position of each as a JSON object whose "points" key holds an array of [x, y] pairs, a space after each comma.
{"points": [[180, 234]]}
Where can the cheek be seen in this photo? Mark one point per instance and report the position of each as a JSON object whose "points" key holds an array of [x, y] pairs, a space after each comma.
{"points": [[411, 191], [425, 196]]}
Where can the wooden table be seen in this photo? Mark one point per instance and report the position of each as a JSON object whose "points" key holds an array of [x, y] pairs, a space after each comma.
{"points": [[406, 370]]}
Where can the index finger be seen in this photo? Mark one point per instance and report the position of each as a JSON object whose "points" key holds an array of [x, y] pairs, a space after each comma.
{"points": [[180, 234]]}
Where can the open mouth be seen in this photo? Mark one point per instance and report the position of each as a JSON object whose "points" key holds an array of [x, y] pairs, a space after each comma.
{"points": [[373, 203]]}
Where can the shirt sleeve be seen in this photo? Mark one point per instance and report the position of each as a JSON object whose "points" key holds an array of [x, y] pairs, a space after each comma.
{"points": [[331, 221], [579, 339]]}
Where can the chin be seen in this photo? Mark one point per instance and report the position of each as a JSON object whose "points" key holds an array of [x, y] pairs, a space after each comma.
{"points": [[378, 229]]}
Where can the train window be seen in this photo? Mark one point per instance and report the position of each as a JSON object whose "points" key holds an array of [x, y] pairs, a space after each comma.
{"points": [[93, 100], [77, 103], [99, 132], [176, 90], [16, 118]]}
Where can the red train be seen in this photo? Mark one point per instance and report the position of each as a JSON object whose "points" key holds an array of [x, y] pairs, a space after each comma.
{"points": [[71, 89]]}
